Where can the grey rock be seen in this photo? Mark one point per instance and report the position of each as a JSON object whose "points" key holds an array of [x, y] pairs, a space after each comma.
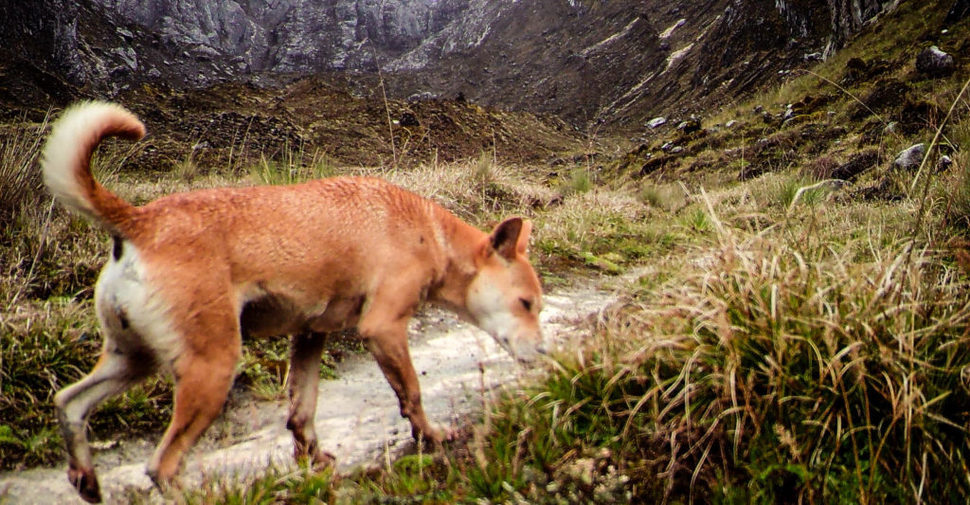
{"points": [[910, 159], [932, 61], [847, 17], [656, 122], [731, 123], [422, 97], [293, 35]]}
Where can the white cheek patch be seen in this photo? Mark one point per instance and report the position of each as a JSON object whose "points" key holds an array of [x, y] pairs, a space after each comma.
{"points": [[488, 306]]}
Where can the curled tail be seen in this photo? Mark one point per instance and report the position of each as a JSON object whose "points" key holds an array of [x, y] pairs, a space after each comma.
{"points": [[66, 160]]}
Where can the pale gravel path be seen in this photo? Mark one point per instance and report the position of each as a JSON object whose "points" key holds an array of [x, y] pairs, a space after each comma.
{"points": [[357, 415]]}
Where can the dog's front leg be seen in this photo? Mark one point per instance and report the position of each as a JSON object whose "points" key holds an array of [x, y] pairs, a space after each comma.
{"points": [[388, 342], [304, 377]]}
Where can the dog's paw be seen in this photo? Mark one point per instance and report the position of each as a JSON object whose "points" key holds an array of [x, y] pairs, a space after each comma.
{"points": [[322, 460], [312, 455], [448, 434], [86, 483], [434, 436]]}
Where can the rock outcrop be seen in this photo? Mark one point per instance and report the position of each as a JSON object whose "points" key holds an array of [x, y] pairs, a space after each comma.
{"points": [[591, 62]]}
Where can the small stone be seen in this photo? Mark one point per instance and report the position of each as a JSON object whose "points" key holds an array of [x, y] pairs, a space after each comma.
{"points": [[656, 122], [789, 112], [730, 124]]}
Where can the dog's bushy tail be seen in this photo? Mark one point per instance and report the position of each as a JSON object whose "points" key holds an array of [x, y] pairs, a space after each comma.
{"points": [[66, 160]]}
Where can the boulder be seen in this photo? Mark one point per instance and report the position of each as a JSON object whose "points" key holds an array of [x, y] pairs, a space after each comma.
{"points": [[910, 159], [934, 62]]}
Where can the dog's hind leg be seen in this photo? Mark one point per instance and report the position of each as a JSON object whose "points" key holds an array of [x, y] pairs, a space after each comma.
{"points": [[304, 378], [203, 376], [115, 372]]}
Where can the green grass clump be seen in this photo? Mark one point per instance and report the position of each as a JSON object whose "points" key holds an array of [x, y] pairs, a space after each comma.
{"points": [[293, 167], [271, 488]]}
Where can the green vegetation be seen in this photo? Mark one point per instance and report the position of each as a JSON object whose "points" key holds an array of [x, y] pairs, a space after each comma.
{"points": [[791, 339]]}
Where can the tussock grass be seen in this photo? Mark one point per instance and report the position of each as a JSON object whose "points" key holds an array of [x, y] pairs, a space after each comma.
{"points": [[292, 167], [809, 373], [20, 182]]}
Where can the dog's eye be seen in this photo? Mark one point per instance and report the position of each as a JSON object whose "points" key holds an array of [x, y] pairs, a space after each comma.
{"points": [[526, 303]]}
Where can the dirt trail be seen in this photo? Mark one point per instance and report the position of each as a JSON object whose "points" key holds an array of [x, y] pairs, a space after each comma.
{"points": [[357, 416]]}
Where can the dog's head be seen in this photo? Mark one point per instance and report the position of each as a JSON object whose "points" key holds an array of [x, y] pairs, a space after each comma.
{"points": [[505, 297]]}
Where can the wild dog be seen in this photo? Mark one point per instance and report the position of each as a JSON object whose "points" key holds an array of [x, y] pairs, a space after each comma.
{"points": [[190, 273]]}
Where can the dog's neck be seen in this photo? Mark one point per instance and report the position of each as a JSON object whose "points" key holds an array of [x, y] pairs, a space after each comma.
{"points": [[461, 244]]}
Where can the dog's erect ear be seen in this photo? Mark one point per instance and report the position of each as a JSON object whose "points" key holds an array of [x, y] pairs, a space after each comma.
{"points": [[523, 244], [505, 237]]}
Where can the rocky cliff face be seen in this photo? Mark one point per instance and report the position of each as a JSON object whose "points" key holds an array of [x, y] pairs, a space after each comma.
{"points": [[289, 35], [623, 62], [586, 60]]}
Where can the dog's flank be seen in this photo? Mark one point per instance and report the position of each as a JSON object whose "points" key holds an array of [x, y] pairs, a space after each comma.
{"points": [[189, 273]]}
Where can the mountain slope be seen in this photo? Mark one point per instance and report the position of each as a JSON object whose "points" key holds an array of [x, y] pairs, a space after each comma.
{"points": [[588, 61]]}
